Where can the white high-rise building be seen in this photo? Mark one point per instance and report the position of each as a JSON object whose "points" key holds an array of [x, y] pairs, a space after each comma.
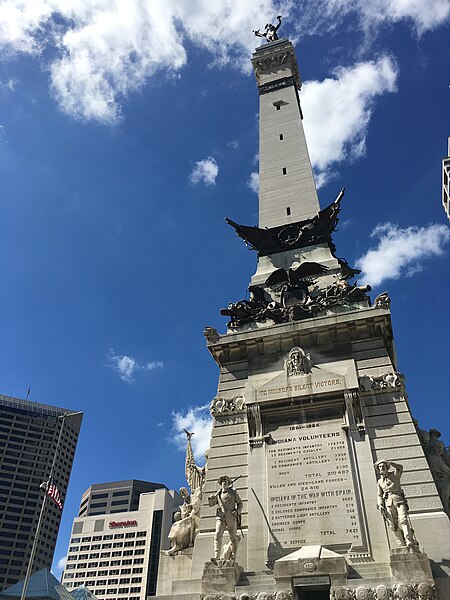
{"points": [[116, 555]]}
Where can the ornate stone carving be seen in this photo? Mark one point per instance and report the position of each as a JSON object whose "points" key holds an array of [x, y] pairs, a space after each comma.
{"points": [[404, 592], [382, 592], [298, 362], [425, 591], [227, 406], [382, 301], [280, 595], [401, 591], [341, 593], [310, 567], [284, 595], [388, 380], [392, 503], [363, 593], [211, 334]]}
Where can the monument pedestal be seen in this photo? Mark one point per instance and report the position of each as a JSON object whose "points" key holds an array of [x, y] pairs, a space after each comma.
{"points": [[309, 565], [220, 578], [410, 564]]}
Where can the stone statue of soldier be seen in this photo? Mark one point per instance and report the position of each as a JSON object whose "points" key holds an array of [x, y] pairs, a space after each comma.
{"points": [[228, 516], [441, 472], [392, 503]]}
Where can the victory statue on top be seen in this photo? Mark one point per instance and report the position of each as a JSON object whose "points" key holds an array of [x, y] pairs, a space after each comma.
{"points": [[270, 32]]}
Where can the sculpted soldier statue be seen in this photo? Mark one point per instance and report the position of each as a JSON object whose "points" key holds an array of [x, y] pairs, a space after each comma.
{"points": [[441, 472], [270, 32], [392, 503], [228, 517]]}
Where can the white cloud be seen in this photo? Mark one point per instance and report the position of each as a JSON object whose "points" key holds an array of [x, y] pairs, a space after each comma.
{"points": [[421, 15], [337, 112], [253, 182], [234, 144], [196, 419], [127, 366], [399, 252], [205, 171], [103, 50], [3, 137], [8, 85]]}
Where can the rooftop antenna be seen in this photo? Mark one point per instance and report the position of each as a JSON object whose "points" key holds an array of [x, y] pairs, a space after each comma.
{"points": [[29, 386]]}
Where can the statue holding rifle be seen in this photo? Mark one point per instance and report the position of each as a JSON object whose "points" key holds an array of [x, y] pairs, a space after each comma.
{"points": [[392, 504], [228, 517]]}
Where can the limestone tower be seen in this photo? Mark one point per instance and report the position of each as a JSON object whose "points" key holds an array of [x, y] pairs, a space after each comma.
{"points": [[309, 398]]}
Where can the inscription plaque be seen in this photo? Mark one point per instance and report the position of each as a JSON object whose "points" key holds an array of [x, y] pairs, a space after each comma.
{"points": [[311, 494]]}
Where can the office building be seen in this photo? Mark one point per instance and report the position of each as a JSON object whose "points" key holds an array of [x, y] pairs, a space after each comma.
{"points": [[115, 497], [116, 555], [29, 433]]}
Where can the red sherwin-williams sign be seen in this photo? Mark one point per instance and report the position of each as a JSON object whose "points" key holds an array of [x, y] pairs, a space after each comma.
{"points": [[114, 524]]}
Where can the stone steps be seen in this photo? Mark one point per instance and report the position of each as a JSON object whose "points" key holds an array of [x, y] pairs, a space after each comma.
{"points": [[256, 582]]}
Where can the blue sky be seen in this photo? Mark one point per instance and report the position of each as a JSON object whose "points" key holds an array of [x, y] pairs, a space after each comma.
{"points": [[129, 131]]}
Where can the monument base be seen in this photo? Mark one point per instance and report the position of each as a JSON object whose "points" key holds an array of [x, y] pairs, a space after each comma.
{"points": [[410, 564], [221, 577]]}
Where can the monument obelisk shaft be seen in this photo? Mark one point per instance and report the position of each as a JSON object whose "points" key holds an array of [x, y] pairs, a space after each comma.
{"points": [[287, 192]]}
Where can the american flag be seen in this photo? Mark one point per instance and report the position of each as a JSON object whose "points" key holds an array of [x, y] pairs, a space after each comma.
{"points": [[54, 494]]}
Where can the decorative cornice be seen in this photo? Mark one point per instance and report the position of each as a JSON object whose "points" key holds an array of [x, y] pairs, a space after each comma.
{"points": [[401, 591], [227, 406], [273, 56], [391, 380]]}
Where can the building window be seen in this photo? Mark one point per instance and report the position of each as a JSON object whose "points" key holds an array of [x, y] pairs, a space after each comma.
{"points": [[284, 171], [141, 534], [281, 137], [124, 493], [154, 554], [288, 211]]}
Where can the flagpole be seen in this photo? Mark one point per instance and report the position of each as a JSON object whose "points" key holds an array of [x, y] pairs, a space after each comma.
{"points": [[41, 514]]}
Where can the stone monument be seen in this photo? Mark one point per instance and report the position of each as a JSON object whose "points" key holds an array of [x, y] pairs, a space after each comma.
{"points": [[309, 397]]}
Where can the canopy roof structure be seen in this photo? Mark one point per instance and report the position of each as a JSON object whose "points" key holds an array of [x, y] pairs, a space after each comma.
{"points": [[41, 586]]}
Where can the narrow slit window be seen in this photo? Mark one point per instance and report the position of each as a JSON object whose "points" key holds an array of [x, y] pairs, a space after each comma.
{"points": [[284, 170], [288, 211], [281, 136], [277, 106]]}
